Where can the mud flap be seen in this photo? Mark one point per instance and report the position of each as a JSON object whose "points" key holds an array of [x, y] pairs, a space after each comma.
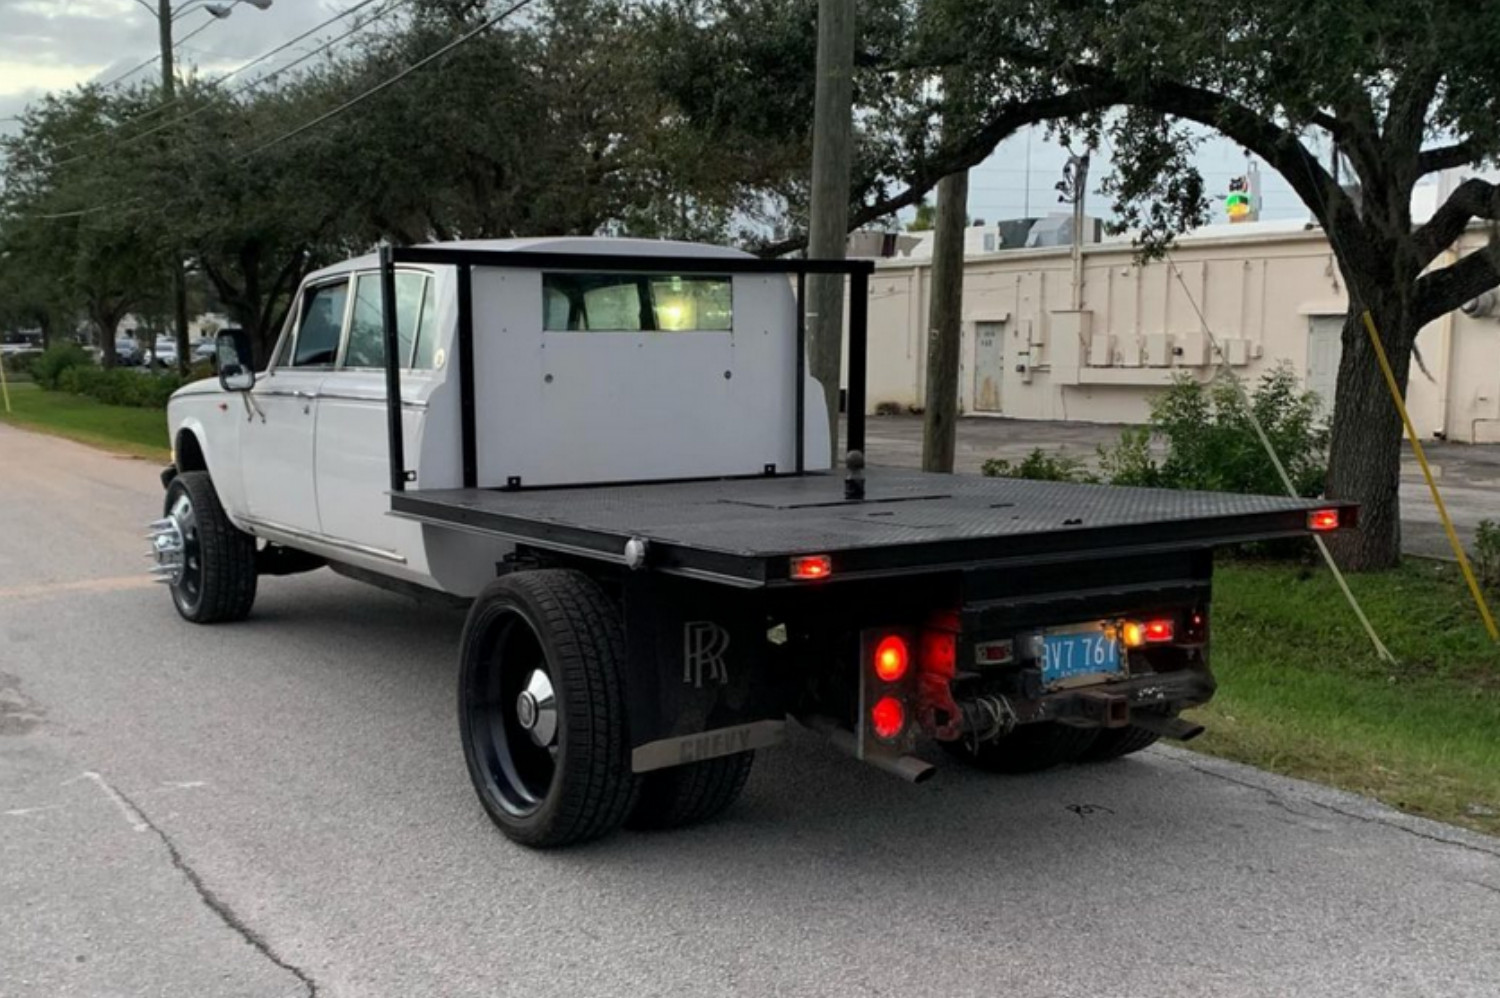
{"points": [[701, 681]]}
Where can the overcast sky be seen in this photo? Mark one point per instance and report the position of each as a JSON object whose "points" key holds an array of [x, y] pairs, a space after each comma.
{"points": [[55, 44]]}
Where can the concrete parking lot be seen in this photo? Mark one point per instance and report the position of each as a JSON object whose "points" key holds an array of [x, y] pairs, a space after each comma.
{"points": [[1467, 474], [280, 808]]}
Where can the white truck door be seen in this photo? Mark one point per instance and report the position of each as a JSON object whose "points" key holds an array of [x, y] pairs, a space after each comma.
{"points": [[352, 459], [277, 445]]}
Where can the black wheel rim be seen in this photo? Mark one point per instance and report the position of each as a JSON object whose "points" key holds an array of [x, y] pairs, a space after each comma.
{"points": [[188, 591], [517, 771]]}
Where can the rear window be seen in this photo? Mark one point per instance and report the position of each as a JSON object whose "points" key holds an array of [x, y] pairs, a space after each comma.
{"points": [[577, 302]]}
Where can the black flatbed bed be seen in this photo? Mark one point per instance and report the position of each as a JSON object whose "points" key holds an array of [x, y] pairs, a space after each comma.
{"points": [[743, 531]]}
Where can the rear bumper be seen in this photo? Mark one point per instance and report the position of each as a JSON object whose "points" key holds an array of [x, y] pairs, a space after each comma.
{"points": [[1106, 705]]}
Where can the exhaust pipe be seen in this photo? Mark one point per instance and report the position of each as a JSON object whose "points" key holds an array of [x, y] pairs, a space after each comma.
{"points": [[1168, 727], [907, 767]]}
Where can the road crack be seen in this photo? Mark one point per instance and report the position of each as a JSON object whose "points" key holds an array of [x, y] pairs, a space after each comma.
{"points": [[1366, 818], [212, 901]]}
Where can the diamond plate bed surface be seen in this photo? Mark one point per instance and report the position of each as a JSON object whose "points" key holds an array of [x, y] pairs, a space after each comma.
{"points": [[776, 516]]}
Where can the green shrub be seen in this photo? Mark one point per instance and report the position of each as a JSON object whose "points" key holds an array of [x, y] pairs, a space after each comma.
{"points": [[120, 386], [1130, 462], [48, 368], [1212, 443], [1208, 441], [1487, 554], [1039, 466]]}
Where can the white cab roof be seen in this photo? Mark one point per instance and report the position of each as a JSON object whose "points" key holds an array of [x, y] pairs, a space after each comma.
{"points": [[556, 244]]}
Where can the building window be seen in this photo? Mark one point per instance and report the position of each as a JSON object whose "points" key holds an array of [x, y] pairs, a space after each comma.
{"points": [[576, 302]]}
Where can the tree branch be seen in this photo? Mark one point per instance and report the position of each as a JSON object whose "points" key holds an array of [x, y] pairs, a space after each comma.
{"points": [[1445, 158], [1474, 198], [1441, 291], [971, 152]]}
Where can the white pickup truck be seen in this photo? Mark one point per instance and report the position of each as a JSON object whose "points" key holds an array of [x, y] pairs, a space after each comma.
{"points": [[613, 451]]}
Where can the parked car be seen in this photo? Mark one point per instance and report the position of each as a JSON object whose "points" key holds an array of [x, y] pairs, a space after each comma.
{"points": [[128, 352], [20, 342], [163, 352]]}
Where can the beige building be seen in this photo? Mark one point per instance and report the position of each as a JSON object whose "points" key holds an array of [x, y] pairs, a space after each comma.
{"points": [[1048, 337]]}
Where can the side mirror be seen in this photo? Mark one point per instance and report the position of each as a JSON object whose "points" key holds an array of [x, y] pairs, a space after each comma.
{"points": [[236, 361]]}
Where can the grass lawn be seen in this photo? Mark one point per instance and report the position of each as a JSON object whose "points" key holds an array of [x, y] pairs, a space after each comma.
{"points": [[139, 432], [1302, 691]]}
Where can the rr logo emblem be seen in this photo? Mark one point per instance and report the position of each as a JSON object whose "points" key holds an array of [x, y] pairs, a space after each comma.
{"points": [[703, 646]]}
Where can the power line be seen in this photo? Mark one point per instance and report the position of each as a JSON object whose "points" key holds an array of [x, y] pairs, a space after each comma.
{"points": [[372, 91], [239, 69], [345, 106], [251, 85]]}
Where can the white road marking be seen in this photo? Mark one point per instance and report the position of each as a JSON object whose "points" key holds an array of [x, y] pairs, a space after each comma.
{"points": [[23, 811], [129, 813], [167, 786]]}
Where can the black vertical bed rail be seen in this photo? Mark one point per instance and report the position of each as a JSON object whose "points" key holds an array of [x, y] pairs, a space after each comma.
{"points": [[859, 335], [392, 369], [466, 376], [801, 371]]}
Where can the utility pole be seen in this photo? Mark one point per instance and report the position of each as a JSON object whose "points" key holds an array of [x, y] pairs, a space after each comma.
{"points": [[945, 323], [179, 277], [1074, 186], [828, 222]]}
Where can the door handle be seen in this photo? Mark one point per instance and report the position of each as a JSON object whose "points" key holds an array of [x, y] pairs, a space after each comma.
{"points": [[305, 395]]}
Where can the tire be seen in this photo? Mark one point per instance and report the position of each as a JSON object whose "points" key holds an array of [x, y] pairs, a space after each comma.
{"points": [[1114, 743], [556, 772], [217, 580], [1028, 749], [686, 795]]}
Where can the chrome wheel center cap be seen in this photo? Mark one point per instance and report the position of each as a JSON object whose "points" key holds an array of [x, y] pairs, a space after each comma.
{"points": [[168, 546], [536, 709], [526, 710]]}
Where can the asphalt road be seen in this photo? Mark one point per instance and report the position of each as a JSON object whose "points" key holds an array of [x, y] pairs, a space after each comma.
{"points": [[279, 808]]}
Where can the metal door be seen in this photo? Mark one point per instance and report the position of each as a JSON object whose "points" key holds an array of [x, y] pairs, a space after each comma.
{"points": [[1325, 347], [989, 365]]}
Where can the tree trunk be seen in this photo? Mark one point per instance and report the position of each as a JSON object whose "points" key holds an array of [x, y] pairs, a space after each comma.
{"points": [[940, 421], [1365, 453], [106, 324]]}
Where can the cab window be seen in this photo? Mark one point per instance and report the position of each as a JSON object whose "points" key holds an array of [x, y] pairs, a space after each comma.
{"points": [[367, 326], [322, 323], [577, 302]]}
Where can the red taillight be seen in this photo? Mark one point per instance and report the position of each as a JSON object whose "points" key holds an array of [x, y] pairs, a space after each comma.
{"points": [[892, 658], [1323, 520], [1159, 630], [887, 717], [812, 566]]}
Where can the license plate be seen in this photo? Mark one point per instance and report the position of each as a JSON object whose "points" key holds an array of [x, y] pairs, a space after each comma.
{"points": [[1079, 652]]}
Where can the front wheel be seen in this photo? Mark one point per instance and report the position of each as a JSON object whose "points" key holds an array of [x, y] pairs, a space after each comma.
{"points": [[207, 562], [541, 708]]}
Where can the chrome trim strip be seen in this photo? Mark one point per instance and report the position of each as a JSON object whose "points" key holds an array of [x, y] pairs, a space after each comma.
{"points": [[324, 539], [405, 403], [709, 744]]}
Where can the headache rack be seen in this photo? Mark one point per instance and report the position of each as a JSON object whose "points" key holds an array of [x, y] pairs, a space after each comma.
{"points": [[465, 259]]}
